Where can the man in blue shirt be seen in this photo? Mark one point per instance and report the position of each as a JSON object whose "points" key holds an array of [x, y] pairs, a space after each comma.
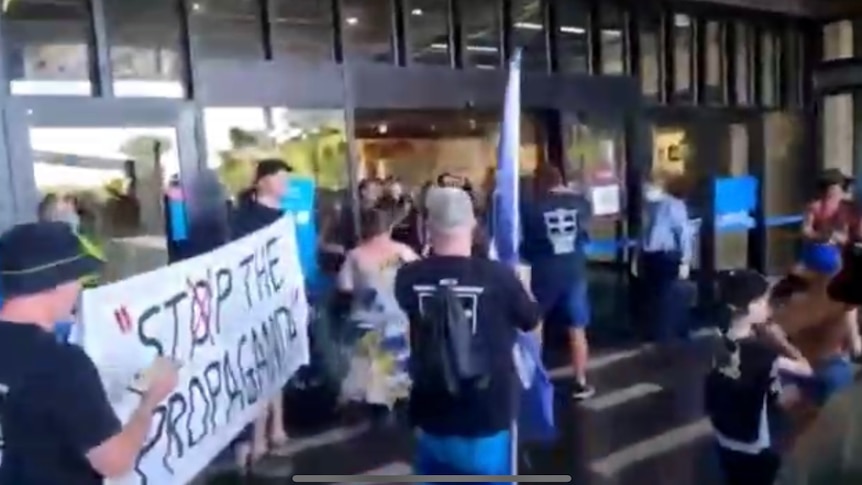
{"points": [[554, 240]]}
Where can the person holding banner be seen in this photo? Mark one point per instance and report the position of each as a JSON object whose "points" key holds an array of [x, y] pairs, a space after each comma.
{"points": [[56, 423], [554, 242], [462, 402], [259, 206]]}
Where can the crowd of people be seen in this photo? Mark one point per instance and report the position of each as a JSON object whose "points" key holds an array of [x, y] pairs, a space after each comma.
{"points": [[434, 319]]}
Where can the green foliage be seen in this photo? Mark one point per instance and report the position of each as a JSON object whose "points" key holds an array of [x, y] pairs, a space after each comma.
{"points": [[320, 154]]}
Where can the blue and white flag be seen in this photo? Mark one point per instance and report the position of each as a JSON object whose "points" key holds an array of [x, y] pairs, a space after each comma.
{"points": [[505, 220]]}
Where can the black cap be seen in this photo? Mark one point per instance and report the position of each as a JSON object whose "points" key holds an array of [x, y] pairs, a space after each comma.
{"points": [[270, 166], [846, 286], [833, 176], [39, 256], [739, 288]]}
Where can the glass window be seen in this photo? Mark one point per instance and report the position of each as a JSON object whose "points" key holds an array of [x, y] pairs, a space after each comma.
{"points": [[301, 28], [145, 48], [714, 80], [223, 29], [572, 50], [769, 69], [528, 32], [367, 30], [837, 132], [785, 185], [838, 40], [682, 34], [46, 46], [428, 22], [116, 180], [649, 40], [611, 20], [480, 23], [743, 46]]}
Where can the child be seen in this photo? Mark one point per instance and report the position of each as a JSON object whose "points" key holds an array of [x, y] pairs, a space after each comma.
{"points": [[743, 395]]}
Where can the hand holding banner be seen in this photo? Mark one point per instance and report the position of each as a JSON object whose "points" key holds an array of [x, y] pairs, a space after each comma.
{"points": [[236, 318]]}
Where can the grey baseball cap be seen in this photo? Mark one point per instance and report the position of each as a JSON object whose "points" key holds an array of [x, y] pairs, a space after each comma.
{"points": [[449, 208]]}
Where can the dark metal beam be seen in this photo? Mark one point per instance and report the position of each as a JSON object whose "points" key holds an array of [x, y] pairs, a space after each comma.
{"points": [[101, 73], [455, 34], [698, 61], [594, 39]]}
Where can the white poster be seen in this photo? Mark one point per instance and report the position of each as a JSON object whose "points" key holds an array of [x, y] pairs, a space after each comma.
{"points": [[235, 318], [605, 199]]}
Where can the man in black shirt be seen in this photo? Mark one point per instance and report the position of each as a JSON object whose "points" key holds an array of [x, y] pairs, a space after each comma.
{"points": [[743, 394], [456, 430], [56, 423]]}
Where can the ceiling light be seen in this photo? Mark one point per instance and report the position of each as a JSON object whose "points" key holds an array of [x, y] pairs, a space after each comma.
{"points": [[681, 20], [528, 25], [416, 11], [567, 29], [612, 33], [382, 129], [352, 20], [469, 48], [196, 7]]}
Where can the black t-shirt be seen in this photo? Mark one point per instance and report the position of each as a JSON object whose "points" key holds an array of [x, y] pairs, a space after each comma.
{"points": [[251, 216], [742, 379], [498, 305], [53, 409]]}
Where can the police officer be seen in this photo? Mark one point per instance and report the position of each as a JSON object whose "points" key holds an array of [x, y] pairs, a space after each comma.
{"points": [[55, 419]]}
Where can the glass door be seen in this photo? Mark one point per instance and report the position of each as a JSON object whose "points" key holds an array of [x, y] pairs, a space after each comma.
{"points": [[114, 162]]}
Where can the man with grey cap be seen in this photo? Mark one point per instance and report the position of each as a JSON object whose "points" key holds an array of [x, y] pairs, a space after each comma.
{"points": [[56, 424], [468, 415]]}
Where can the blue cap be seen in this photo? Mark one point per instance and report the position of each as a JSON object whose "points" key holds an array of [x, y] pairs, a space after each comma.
{"points": [[821, 258]]}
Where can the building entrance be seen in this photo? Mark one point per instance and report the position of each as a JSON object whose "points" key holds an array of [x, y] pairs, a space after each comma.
{"points": [[113, 162]]}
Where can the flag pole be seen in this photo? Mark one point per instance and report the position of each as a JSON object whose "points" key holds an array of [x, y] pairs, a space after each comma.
{"points": [[505, 220]]}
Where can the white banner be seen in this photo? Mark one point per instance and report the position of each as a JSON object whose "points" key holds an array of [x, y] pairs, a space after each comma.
{"points": [[235, 318]]}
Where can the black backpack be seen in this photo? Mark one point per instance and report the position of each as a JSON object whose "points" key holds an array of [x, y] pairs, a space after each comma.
{"points": [[446, 354]]}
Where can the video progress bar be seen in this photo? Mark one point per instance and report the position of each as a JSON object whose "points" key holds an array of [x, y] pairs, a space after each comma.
{"points": [[357, 479]]}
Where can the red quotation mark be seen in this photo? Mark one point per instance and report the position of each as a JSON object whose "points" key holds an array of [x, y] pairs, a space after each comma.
{"points": [[124, 321]]}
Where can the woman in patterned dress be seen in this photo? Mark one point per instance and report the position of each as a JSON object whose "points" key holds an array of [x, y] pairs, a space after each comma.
{"points": [[377, 374]]}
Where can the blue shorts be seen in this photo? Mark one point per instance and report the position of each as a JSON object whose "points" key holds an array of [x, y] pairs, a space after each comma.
{"points": [[455, 455], [831, 376], [567, 304]]}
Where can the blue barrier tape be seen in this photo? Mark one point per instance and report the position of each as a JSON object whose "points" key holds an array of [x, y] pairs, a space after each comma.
{"points": [[609, 247]]}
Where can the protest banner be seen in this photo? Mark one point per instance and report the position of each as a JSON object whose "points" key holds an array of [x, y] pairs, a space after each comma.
{"points": [[235, 318]]}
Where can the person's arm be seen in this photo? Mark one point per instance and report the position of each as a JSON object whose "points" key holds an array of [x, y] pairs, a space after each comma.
{"points": [[524, 310], [798, 367], [79, 404], [344, 281], [775, 336], [684, 230], [808, 231]]}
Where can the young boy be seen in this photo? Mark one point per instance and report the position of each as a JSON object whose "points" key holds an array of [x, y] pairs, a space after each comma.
{"points": [[743, 394]]}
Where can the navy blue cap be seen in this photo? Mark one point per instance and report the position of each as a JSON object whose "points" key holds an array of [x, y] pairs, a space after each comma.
{"points": [[39, 256]]}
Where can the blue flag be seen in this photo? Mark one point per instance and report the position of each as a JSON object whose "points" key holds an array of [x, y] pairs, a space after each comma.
{"points": [[505, 222]]}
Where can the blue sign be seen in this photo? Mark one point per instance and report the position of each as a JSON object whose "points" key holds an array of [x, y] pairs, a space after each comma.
{"points": [[299, 202], [735, 200]]}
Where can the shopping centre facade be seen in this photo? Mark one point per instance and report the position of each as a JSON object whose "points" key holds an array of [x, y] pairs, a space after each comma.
{"points": [[111, 99]]}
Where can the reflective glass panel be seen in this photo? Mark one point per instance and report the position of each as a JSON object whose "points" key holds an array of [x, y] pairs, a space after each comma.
{"points": [[480, 24], [145, 48], [713, 84], [528, 32], [428, 22], [649, 44], [367, 30], [572, 48], [743, 73], [226, 29], [682, 35], [47, 46], [301, 28], [612, 38]]}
